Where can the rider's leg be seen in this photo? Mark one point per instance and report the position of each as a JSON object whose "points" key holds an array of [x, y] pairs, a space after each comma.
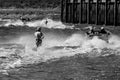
{"points": [[38, 42]]}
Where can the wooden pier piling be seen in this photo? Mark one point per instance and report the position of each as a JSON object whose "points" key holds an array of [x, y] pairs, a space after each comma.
{"points": [[88, 11], [115, 13], [96, 12], [99, 12]]}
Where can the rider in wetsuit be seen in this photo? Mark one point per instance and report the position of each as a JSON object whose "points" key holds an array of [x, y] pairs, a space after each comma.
{"points": [[91, 31], [39, 36], [105, 34], [103, 31]]}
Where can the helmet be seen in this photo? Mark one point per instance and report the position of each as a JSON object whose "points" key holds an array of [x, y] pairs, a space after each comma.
{"points": [[102, 27]]}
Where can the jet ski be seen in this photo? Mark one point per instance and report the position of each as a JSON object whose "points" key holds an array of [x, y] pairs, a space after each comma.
{"points": [[100, 33]]}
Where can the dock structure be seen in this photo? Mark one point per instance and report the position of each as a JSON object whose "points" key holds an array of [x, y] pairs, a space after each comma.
{"points": [[99, 12]]}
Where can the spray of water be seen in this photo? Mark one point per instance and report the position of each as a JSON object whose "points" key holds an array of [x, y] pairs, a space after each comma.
{"points": [[38, 23], [83, 45], [55, 48], [12, 22]]}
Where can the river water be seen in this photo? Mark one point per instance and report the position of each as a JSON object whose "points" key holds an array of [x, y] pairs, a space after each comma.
{"points": [[18, 57]]}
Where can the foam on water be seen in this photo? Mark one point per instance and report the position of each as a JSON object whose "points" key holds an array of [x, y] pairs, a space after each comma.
{"points": [[82, 44], [15, 23], [38, 23], [50, 24]]}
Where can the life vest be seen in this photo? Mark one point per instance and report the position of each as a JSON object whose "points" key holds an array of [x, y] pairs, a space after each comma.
{"points": [[39, 35]]}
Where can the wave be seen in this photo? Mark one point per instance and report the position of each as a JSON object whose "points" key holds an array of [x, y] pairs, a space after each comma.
{"points": [[53, 48], [37, 23], [75, 44]]}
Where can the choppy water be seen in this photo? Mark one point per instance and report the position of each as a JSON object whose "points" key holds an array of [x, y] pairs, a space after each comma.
{"points": [[16, 44]]}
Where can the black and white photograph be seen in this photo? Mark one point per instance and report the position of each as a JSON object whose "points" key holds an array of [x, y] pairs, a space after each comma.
{"points": [[59, 39]]}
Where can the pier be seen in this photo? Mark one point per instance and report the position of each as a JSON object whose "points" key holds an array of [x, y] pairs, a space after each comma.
{"points": [[98, 12]]}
